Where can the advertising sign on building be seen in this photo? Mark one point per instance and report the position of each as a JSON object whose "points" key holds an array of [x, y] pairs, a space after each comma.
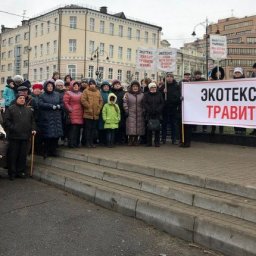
{"points": [[225, 103], [218, 47]]}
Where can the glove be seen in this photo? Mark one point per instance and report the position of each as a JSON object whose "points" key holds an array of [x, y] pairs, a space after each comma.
{"points": [[54, 107], [58, 106]]}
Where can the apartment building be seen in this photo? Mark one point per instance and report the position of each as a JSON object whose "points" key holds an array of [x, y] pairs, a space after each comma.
{"points": [[241, 43], [241, 39], [79, 41]]}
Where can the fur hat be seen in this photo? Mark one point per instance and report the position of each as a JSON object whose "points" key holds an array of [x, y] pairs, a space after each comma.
{"points": [[85, 80], [22, 88], [214, 73], [20, 93], [238, 70], [197, 72], [18, 80], [152, 85], [37, 86], [116, 81], [92, 81], [59, 81], [135, 82], [105, 82]]}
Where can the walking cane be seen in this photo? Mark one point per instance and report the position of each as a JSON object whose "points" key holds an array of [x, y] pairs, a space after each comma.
{"points": [[32, 155]]}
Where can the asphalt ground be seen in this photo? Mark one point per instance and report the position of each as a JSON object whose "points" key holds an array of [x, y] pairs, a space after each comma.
{"points": [[38, 219]]}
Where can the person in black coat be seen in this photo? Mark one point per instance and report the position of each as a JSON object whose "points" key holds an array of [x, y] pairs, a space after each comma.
{"points": [[19, 123], [118, 90], [50, 120], [153, 104], [173, 98]]}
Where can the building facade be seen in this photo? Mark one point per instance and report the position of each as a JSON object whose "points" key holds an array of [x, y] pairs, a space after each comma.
{"points": [[79, 41]]}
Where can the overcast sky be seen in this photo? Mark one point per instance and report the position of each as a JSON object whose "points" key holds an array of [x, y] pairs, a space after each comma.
{"points": [[176, 17]]}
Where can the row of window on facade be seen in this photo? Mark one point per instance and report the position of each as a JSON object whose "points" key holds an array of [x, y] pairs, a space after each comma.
{"points": [[238, 40]]}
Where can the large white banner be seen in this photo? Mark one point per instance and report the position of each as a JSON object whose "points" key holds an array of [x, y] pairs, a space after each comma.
{"points": [[225, 103], [166, 60], [145, 59]]}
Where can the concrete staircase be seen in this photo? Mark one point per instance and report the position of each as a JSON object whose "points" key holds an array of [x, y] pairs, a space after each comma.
{"points": [[217, 214]]}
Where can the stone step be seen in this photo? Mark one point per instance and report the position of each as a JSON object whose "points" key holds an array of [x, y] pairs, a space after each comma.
{"points": [[168, 174], [216, 201], [227, 234]]}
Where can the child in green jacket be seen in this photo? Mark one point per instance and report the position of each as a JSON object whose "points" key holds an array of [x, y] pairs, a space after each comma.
{"points": [[111, 117]]}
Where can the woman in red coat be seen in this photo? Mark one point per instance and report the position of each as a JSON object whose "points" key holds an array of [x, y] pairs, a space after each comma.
{"points": [[72, 104]]}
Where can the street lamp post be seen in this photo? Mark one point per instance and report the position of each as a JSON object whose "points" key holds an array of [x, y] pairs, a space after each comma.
{"points": [[95, 55], [205, 25]]}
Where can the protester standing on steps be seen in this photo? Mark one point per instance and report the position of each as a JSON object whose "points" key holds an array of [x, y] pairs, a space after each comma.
{"points": [[111, 118], [50, 107], [133, 107], [20, 124], [92, 103], [187, 128], [173, 95], [153, 104], [74, 108]]}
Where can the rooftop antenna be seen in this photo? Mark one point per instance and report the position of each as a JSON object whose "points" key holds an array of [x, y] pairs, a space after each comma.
{"points": [[232, 12], [23, 14]]}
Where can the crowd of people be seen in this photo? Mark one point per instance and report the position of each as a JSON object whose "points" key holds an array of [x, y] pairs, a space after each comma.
{"points": [[84, 113]]}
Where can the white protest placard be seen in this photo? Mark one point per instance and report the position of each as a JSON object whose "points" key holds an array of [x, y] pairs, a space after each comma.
{"points": [[145, 59], [166, 59], [218, 47], [225, 103]]}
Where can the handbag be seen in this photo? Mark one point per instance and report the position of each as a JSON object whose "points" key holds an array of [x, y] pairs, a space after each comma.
{"points": [[153, 125]]}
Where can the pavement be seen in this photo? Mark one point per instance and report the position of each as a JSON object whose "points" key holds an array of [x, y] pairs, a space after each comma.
{"points": [[39, 220], [230, 163]]}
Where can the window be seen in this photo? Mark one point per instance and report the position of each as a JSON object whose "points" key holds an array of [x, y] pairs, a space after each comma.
{"points": [[101, 72], [35, 74], [47, 72], [35, 49], [137, 76], [146, 37], [26, 36], [119, 74], [25, 50], [153, 77], [91, 47], [56, 24], [92, 24], [138, 34], [41, 50], [111, 29], [72, 21], [251, 40], [36, 30], [2, 80], [25, 63], [4, 42], [72, 71], [41, 74], [10, 53], [102, 45], [17, 39], [10, 41], [72, 45], [10, 67], [129, 75], [17, 51], [129, 54], [3, 68], [48, 48], [110, 73], [48, 26], [3, 55], [42, 29], [154, 38], [54, 46], [120, 53], [111, 51], [102, 26], [54, 68], [120, 30], [129, 33], [90, 71]]}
